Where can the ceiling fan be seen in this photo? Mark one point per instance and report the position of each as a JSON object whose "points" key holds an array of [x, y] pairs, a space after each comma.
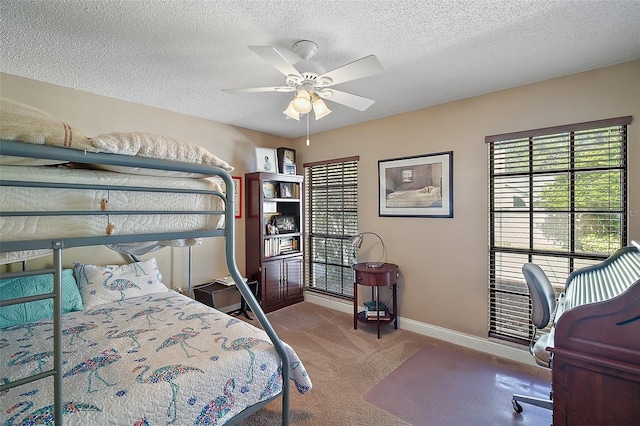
{"points": [[311, 83]]}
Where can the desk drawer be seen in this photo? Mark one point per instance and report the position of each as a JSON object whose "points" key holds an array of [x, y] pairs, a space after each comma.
{"points": [[375, 278]]}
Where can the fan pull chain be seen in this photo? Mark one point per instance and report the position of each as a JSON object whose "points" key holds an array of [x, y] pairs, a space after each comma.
{"points": [[307, 129]]}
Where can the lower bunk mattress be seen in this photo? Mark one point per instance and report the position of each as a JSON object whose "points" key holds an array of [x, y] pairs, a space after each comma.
{"points": [[150, 360], [183, 211]]}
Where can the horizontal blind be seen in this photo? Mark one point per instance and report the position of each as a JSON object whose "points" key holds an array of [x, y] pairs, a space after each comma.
{"points": [[557, 199], [331, 219]]}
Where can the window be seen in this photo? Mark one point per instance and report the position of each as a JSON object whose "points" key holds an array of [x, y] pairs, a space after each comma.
{"points": [[558, 198], [331, 215]]}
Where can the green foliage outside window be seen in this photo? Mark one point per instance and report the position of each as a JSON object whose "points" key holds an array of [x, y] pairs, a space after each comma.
{"points": [[595, 199]]}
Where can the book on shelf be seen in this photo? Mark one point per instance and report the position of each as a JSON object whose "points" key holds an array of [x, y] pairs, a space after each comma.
{"points": [[280, 246], [376, 313], [382, 317], [371, 306]]}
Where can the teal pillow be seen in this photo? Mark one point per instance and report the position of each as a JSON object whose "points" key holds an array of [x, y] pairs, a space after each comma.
{"points": [[41, 309]]}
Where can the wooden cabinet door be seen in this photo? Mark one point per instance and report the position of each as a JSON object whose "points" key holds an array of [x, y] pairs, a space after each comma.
{"points": [[271, 284], [293, 278]]}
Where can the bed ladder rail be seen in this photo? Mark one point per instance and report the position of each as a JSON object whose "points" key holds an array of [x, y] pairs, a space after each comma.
{"points": [[56, 295], [253, 303]]}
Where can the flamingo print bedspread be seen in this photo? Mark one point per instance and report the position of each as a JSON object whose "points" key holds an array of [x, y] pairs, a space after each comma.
{"points": [[153, 360]]}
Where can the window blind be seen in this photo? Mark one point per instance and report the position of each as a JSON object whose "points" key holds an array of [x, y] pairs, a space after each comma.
{"points": [[558, 198], [331, 215]]}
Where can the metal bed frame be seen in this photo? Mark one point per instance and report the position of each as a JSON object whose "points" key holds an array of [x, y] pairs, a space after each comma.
{"points": [[57, 245]]}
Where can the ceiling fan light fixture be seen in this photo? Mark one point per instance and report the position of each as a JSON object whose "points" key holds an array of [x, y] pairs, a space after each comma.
{"points": [[291, 112], [302, 102], [308, 81], [320, 109]]}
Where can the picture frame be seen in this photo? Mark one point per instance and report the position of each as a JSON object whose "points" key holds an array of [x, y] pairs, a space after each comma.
{"points": [[286, 190], [237, 195], [285, 224], [286, 160], [416, 186], [269, 190], [266, 160]]}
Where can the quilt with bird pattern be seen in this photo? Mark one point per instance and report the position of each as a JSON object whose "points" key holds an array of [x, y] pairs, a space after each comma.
{"points": [[158, 359]]}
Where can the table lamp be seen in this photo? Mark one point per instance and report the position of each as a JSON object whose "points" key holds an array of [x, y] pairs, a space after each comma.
{"points": [[356, 242]]}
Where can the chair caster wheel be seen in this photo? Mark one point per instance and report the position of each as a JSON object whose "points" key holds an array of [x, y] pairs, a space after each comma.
{"points": [[516, 407]]}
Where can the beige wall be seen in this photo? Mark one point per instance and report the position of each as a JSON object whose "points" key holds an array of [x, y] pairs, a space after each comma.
{"points": [[443, 262]]}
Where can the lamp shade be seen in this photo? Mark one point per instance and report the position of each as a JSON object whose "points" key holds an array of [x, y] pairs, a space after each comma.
{"points": [[302, 102], [356, 242], [320, 109], [291, 112]]}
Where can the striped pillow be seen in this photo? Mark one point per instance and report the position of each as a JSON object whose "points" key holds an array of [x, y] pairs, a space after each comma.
{"points": [[24, 123]]}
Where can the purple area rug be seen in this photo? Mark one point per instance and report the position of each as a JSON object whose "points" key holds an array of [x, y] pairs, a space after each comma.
{"points": [[440, 386]]}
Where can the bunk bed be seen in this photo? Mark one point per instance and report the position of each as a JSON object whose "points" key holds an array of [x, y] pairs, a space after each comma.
{"points": [[137, 352]]}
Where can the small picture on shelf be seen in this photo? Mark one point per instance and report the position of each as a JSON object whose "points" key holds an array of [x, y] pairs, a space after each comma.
{"points": [[271, 229], [286, 190], [269, 190], [289, 169], [270, 207], [287, 161], [266, 160], [285, 224]]}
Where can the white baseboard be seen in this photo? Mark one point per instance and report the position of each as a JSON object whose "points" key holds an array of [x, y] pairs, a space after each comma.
{"points": [[472, 342]]}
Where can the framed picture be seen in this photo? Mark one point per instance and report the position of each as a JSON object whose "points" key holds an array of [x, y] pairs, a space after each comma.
{"points": [[237, 195], [418, 186], [286, 190], [287, 161], [285, 224], [269, 190], [266, 160]]}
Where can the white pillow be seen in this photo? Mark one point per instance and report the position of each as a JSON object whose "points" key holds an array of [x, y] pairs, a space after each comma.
{"points": [[24, 123], [157, 146], [112, 283]]}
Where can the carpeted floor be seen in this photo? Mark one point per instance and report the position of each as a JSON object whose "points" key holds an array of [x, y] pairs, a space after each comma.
{"points": [[346, 364]]}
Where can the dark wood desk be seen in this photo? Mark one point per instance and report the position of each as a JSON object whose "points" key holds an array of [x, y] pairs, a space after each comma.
{"points": [[596, 363], [384, 276], [596, 345]]}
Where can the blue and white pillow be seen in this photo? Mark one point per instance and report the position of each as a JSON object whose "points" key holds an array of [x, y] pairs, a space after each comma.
{"points": [[113, 283]]}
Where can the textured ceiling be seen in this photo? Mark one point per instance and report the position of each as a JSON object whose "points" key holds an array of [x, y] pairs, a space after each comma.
{"points": [[179, 55]]}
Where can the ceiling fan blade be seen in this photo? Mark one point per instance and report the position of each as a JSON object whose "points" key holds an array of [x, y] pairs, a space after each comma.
{"points": [[271, 55], [364, 67], [260, 89], [347, 99]]}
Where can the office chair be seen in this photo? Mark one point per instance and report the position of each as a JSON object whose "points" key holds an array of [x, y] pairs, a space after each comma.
{"points": [[543, 301]]}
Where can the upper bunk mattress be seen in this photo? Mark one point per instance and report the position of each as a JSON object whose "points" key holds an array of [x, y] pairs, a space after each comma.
{"points": [[185, 208]]}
